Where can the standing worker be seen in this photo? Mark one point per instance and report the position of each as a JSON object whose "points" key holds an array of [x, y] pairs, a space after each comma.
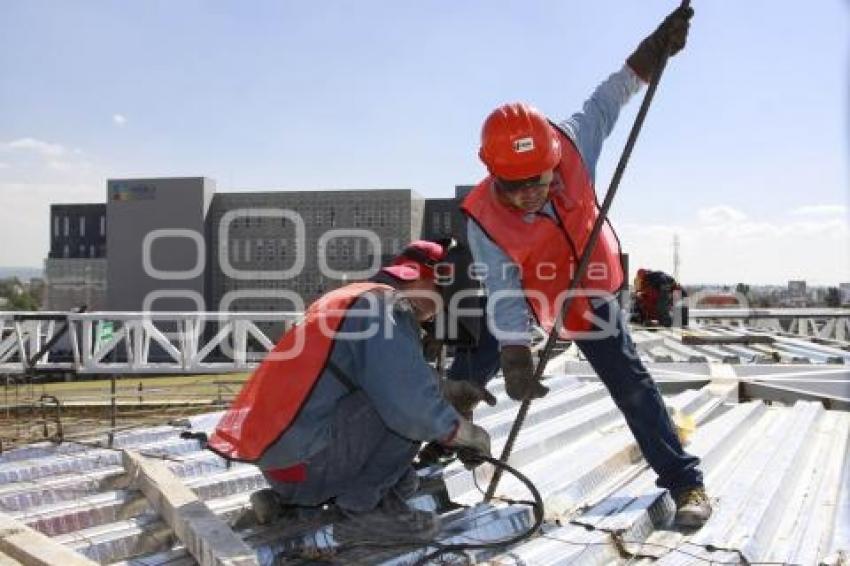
{"points": [[529, 222], [337, 411]]}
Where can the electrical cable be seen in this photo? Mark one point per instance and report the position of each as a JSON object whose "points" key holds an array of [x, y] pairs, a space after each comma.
{"points": [[537, 505], [457, 548]]}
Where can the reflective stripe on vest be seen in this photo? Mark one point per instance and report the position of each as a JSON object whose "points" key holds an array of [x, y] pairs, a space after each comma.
{"points": [[272, 398], [548, 250]]}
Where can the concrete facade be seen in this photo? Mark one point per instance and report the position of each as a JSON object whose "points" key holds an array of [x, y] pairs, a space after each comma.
{"points": [[267, 248], [175, 244], [77, 231], [156, 259], [74, 282], [443, 217], [75, 267]]}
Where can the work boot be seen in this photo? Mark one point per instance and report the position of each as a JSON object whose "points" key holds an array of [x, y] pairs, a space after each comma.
{"points": [[267, 506], [692, 507], [393, 520]]}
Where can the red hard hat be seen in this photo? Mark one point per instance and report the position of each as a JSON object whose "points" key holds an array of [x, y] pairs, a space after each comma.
{"points": [[416, 261], [517, 142]]}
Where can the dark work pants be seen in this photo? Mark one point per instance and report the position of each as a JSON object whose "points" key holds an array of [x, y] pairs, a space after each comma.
{"points": [[362, 462], [616, 362]]}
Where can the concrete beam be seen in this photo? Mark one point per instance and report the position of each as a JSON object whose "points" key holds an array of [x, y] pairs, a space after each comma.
{"points": [[207, 537], [21, 543]]}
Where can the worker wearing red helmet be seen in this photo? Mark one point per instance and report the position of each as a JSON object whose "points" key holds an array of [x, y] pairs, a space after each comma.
{"points": [[337, 411], [530, 221]]}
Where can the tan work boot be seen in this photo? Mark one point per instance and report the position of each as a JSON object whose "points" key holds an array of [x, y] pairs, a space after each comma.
{"points": [[693, 507]]}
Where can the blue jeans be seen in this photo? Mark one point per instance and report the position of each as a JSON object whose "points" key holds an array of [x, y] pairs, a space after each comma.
{"points": [[478, 365], [616, 362], [362, 462]]}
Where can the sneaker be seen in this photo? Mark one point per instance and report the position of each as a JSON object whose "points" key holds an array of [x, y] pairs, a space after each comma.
{"points": [[692, 507], [393, 520], [267, 506]]}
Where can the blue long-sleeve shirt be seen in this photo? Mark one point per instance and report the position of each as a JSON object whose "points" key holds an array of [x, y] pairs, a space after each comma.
{"points": [[588, 129], [378, 348]]}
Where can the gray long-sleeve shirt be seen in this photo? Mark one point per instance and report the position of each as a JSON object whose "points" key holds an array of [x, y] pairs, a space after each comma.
{"points": [[588, 129], [378, 347]]}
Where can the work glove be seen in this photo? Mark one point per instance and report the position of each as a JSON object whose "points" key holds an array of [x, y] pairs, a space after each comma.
{"points": [[518, 370], [471, 442], [465, 396], [670, 35]]}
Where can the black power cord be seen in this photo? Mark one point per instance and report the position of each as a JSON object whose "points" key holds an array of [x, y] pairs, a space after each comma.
{"points": [[537, 504]]}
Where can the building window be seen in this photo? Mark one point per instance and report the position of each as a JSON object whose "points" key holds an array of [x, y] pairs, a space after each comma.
{"points": [[66, 251], [82, 250], [66, 225], [82, 226], [55, 226], [102, 225], [92, 251], [447, 222]]}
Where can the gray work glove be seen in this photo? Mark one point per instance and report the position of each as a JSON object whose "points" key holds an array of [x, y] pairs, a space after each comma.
{"points": [[465, 395], [671, 35], [472, 440], [519, 374]]}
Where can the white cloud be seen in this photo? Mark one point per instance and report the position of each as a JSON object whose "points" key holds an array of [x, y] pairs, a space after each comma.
{"points": [[37, 146], [68, 165], [39, 174], [119, 119], [25, 216], [720, 215], [820, 210], [725, 245]]}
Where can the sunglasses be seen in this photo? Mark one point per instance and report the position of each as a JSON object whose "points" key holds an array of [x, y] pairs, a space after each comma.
{"points": [[542, 180]]}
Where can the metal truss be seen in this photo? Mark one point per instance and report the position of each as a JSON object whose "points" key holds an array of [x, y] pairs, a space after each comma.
{"points": [[225, 342], [137, 342], [829, 324]]}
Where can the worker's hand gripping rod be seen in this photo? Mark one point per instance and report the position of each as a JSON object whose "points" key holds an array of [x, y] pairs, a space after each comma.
{"points": [[582, 267]]}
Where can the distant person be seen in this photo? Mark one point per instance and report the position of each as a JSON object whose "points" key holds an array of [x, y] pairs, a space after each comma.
{"points": [[339, 420], [530, 220], [657, 295]]}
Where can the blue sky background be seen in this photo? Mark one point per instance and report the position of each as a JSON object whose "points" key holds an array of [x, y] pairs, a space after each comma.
{"points": [[744, 153]]}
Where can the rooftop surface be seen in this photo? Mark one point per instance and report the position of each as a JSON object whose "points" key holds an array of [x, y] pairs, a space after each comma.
{"points": [[778, 472]]}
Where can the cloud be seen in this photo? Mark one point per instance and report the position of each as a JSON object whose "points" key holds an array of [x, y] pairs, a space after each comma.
{"points": [[725, 245], [820, 210], [38, 146], [25, 216], [40, 173], [4, 165], [68, 165], [720, 215], [119, 119]]}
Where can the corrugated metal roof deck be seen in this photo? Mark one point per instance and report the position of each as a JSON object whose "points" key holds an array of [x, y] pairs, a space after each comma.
{"points": [[780, 477]]}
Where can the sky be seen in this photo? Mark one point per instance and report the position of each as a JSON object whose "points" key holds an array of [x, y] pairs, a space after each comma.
{"points": [[743, 154]]}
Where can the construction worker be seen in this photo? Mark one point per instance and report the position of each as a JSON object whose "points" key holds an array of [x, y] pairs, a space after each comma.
{"points": [[337, 411], [656, 296], [529, 222]]}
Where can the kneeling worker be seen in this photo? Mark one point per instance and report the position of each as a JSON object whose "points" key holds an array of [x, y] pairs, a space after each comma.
{"points": [[337, 411]]}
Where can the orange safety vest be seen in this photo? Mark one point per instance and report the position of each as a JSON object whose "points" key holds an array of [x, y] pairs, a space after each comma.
{"points": [[274, 395], [548, 250]]}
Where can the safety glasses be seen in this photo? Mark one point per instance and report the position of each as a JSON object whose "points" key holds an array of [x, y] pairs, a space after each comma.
{"points": [[511, 186]]}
